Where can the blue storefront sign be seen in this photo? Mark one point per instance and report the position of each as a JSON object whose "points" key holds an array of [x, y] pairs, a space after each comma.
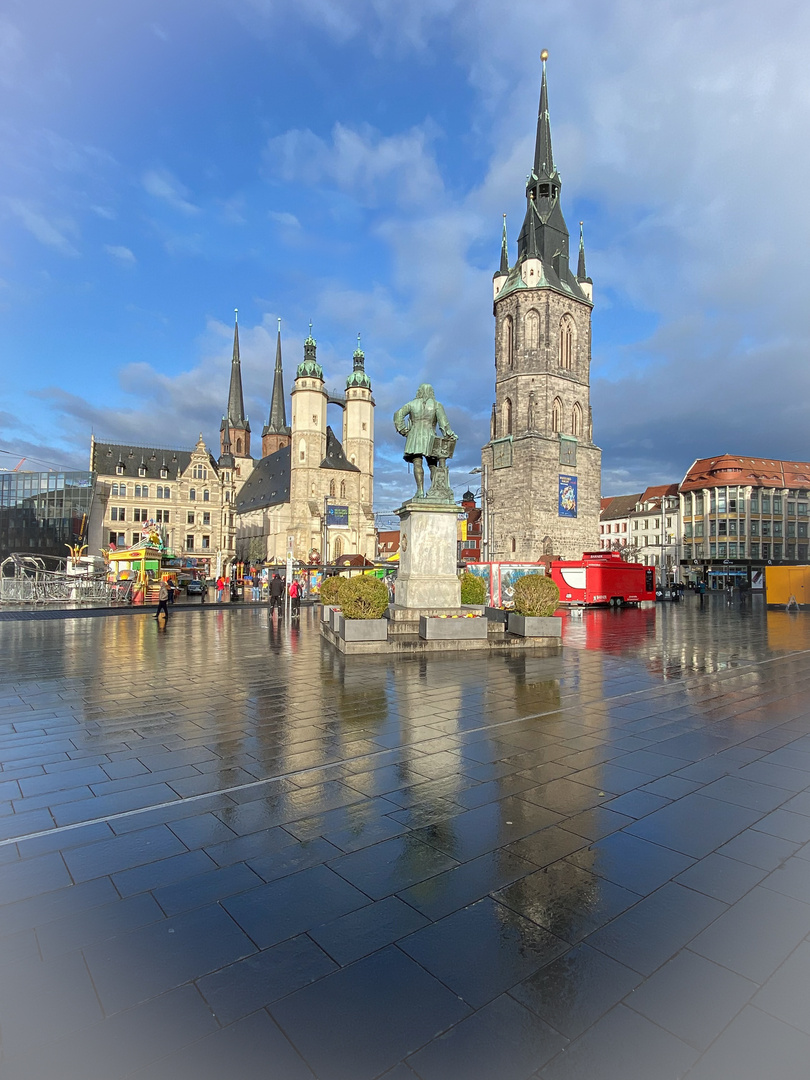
{"points": [[567, 506], [337, 517]]}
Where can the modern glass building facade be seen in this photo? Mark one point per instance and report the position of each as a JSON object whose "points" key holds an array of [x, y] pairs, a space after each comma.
{"points": [[41, 513]]}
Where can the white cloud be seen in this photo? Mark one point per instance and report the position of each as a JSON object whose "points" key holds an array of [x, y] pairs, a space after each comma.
{"points": [[161, 184], [122, 254], [51, 233], [369, 166], [290, 221]]}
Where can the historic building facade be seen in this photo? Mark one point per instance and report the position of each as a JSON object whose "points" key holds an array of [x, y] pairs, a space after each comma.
{"points": [[312, 496], [542, 469]]}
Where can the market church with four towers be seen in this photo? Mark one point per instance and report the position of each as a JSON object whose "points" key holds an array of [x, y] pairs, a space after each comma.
{"points": [[542, 470]]}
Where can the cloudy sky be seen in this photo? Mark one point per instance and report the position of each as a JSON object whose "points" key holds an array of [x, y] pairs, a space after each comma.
{"points": [[348, 161]]}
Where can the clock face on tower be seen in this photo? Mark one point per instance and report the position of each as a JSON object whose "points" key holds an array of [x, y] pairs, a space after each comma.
{"points": [[502, 453]]}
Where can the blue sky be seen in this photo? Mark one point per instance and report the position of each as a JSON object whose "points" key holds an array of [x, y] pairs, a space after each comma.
{"points": [[349, 162]]}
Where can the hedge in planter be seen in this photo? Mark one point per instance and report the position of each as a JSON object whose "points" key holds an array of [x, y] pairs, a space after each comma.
{"points": [[536, 595], [363, 598], [331, 588], [473, 589]]}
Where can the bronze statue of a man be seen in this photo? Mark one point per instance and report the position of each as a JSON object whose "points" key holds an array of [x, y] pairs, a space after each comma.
{"points": [[417, 421]]}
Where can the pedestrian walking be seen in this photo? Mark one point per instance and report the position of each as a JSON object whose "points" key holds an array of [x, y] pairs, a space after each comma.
{"points": [[276, 593], [295, 598], [163, 599], [220, 588]]}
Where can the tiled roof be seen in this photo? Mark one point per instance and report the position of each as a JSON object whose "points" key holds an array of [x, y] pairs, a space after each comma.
{"points": [[106, 457], [335, 456], [268, 484], [658, 492], [620, 506], [746, 471]]}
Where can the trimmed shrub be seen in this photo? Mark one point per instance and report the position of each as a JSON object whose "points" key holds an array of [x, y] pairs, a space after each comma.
{"points": [[536, 595], [473, 588], [331, 588], [363, 597]]}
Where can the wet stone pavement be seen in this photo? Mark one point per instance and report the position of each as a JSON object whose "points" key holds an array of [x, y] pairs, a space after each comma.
{"points": [[225, 851]]}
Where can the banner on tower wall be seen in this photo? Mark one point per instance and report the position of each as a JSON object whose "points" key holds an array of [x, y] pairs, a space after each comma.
{"points": [[337, 517], [567, 506]]}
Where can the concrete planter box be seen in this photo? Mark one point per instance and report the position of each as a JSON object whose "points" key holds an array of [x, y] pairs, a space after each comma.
{"points": [[496, 614], [363, 629], [334, 614], [435, 629], [534, 626], [325, 611]]}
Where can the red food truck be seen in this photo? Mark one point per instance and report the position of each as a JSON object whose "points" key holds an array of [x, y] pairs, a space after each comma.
{"points": [[602, 577]]}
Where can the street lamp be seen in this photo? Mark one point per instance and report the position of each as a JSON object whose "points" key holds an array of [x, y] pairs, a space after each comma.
{"points": [[482, 471]]}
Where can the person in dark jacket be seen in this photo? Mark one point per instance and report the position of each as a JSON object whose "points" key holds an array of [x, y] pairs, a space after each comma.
{"points": [[276, 593], [163, 600]]}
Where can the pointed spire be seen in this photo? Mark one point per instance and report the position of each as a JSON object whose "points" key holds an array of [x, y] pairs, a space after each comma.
{"points": [[581, 272], [277, 423], [236, 403], [543, 154], [504, 268]]}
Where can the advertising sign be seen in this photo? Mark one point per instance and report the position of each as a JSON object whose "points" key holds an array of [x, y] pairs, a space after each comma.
{"points": [[337, 517], [568, 497]]}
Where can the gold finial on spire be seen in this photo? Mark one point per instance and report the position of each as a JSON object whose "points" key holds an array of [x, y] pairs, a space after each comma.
{"points": [[544, 55]]}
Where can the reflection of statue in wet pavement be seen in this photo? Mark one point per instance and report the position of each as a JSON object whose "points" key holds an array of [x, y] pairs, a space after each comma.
{"points": [[417, 421]]}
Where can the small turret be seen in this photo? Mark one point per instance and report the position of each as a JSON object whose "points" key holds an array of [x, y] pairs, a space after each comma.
{"points": [[358, 376], [585, 283], [502, 272], [309, 368]]}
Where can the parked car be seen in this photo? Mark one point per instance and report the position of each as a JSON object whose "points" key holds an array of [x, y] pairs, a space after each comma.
{"points": [[197, 587]]}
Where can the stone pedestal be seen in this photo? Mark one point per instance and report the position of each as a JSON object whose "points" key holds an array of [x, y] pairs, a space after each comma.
{"points": [[428, 571]]}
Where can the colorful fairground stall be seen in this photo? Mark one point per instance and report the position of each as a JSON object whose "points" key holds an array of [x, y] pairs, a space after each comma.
{"points": [[138, 569]]}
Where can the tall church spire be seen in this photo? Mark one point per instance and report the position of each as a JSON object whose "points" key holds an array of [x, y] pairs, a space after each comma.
{"points": [[275, 433], [543, 156], [236, 404], [582, 274], [234, 431], [544, 235]]}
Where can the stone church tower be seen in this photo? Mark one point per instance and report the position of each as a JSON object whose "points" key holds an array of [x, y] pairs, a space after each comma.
{"points": [[542, 471]]}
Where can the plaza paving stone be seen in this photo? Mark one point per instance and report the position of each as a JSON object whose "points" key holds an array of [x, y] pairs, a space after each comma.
{"points": [[226, 850]]}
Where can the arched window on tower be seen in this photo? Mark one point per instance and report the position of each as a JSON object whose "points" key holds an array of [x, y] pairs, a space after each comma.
{"points": [[532, 329], [338, 548], [508, 342], [567, 342], [239, 446], [343, 489], [576, 420], [302, 450], [556, 415], [507, 417], [332, 488]]}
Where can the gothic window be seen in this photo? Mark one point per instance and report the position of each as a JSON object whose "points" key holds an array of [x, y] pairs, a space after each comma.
{"points": [[338, 547], [508, 342], [532, 329], [343, 489], [332, 488], [302, 450], [239, 446], [507, 417], [576, 420], [513, 544], [556, 415], [567, 342]]}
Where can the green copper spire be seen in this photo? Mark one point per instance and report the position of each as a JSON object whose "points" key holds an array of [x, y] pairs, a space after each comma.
{"points": [[358, 376], [309, 368]]}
